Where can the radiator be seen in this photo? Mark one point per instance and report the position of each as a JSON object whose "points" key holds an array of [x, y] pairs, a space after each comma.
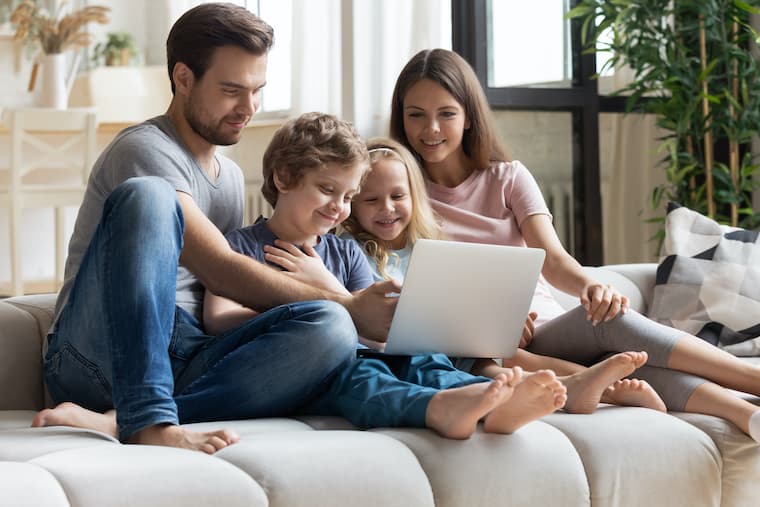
{"points": [[255, 204]]}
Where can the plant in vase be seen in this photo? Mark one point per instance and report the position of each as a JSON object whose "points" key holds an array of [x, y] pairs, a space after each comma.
{"points": [[695, 70], [53, 33]]}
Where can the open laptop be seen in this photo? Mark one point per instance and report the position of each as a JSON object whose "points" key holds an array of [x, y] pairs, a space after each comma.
{"points": [[464, 299]]}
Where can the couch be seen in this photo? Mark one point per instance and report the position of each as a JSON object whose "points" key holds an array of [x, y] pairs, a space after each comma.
{"points": [[618, 456]]}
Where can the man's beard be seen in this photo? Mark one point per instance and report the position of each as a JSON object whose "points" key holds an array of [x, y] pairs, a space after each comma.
{"points": [[206, 131]]}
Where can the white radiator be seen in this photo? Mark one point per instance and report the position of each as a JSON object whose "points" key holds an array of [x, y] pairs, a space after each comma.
{"points": [[559, 198], [255, 204]]}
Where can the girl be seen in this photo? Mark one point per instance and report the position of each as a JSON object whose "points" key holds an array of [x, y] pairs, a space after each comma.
{"points": [[391, 212], [440, 113]]}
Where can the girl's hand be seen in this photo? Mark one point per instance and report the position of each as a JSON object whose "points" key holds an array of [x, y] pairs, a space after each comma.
{"points": [[602, 302], [528, 330], [305, 266]]}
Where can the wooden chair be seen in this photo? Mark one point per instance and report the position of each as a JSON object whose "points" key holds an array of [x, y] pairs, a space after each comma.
{"points": [[52, 152]]}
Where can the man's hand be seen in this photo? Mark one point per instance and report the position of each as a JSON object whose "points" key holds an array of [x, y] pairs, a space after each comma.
{"points": [[305, 266], [372, 310]]}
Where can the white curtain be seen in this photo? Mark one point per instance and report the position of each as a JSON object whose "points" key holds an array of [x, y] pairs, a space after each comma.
{"points": [[353, 75], [630, 169]]}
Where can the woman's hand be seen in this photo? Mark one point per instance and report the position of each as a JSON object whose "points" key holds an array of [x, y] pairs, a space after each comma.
{"points": [[602, 302], [305, 266], [528, 330]]}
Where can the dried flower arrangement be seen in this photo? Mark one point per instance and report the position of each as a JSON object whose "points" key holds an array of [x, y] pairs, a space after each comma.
{"points": [[55, 32]]}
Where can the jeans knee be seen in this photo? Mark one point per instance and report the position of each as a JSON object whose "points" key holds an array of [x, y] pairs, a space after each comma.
{"points": [[145, 200], [339, 335]]}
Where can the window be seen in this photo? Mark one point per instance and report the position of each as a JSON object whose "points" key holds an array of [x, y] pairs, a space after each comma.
{"points": [[275, 100]]}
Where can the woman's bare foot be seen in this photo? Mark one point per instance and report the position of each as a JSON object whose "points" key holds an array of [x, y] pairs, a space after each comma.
{"points": [[176, 436], [71, 414], [633, 393], [585, 389], [538, 394], [454, 413]]}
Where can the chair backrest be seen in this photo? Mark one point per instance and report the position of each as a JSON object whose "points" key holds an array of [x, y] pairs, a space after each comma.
{"points": [[51, 138]]}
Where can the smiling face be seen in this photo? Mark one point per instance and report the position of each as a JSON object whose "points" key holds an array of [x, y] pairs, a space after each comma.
{"points": [[222, 102], [317, 203], [434, 123], [384, 206]]}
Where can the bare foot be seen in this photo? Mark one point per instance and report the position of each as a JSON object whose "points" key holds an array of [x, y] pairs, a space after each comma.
{"points": [[585, 389], [71, 414], [538, 394], [454, 413], [177, 436], [634, 393]]}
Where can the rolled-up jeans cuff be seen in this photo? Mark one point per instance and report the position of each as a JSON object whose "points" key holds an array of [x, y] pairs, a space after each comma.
{"points": [[131, 425]]}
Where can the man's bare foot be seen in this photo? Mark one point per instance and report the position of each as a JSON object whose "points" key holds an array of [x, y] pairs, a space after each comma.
{"points": [[71, 414], [177, 436], [538, 394], [633, 393], [585, 389], [454, 413]]}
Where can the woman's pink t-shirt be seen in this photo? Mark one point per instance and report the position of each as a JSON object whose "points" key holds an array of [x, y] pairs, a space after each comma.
{"points": [[489, 207]]}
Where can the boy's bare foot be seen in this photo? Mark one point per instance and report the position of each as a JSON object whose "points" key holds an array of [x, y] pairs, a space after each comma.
{"points": [[585, 389], [454, 413], [538, 394], [71, 414], [633, 393], [176, 436]]}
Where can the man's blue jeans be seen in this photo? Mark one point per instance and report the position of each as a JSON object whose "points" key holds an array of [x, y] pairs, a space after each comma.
{"points": [[121, 342]]}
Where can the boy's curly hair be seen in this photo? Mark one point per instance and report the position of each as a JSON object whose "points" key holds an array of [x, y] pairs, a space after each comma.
{"points": [[306, 143]]}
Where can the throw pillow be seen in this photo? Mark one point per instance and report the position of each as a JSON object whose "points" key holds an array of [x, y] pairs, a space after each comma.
{"points": [[708, 281]]}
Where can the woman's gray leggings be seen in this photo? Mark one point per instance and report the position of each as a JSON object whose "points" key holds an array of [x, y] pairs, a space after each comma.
{"points": [[571, 337]]}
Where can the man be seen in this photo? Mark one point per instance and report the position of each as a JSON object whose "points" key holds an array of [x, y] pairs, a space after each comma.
{"points": [[149, 238]]}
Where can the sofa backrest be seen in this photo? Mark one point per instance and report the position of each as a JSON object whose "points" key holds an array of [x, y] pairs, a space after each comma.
{"points": [[24, 323]]}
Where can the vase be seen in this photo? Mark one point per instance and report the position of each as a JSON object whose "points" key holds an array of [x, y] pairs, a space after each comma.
{"points": [[53, 92]]}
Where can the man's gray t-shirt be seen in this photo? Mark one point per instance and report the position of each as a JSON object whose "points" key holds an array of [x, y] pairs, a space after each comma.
{"points": [[153, 148]]}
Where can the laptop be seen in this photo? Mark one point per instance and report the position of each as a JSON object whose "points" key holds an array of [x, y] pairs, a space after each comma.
{"points": [[464, 299]]}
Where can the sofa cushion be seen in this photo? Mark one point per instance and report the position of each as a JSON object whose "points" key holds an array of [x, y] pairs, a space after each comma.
{"points": [[28, 485], [708, 282]]}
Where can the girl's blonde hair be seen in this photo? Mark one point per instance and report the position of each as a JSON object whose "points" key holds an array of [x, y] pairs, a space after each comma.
{"points": [[424, 223]]}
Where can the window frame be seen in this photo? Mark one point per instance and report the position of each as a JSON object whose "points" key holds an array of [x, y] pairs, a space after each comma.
{"points": [[581, 99]]}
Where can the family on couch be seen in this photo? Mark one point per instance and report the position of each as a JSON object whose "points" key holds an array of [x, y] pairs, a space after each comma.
{"points": [[135, 351]]}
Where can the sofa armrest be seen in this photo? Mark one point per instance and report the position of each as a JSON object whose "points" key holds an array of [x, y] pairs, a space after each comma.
{"points": [[24, 323], [634, 280]]}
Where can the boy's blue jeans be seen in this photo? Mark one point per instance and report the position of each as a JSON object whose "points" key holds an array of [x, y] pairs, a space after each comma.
{"points": [[121, 342]]}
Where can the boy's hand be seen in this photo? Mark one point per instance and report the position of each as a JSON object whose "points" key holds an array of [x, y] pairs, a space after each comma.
{"points": [[305, 266], [372, 310], [528, 330]]}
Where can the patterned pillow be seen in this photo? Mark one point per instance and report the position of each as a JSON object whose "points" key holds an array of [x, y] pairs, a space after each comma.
{"points": [[708, 281]]}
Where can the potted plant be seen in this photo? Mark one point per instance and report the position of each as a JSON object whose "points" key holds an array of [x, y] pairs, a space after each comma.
{"points": [[694, 69], [118, 49]]}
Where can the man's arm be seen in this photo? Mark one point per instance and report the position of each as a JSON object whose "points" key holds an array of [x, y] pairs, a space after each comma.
{"points": [[227, 273]]}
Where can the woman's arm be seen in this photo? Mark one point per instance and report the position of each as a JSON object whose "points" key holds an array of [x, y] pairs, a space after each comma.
{"points": [[565, 273]]}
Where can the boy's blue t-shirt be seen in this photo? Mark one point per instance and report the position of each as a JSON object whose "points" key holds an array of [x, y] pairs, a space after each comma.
{"points": [[343, 258]]}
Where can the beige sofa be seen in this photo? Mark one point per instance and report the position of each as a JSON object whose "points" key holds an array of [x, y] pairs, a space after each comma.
{"points": [[615, 457]]}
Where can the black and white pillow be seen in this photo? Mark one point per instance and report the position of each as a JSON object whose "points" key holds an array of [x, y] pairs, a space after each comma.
{"points": [[708, 281]]}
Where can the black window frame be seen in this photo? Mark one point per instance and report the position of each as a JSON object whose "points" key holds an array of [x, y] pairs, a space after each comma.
{"points": [[469, 22]]}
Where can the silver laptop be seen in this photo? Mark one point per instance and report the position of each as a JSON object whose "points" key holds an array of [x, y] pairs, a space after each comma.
{"points": [[464, 299]]}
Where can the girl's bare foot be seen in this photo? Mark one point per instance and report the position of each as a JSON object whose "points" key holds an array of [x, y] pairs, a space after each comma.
{"points": [[177, 436], [633, 393], [454, 413], [585, 389], [538, 394], [71, 414]]}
